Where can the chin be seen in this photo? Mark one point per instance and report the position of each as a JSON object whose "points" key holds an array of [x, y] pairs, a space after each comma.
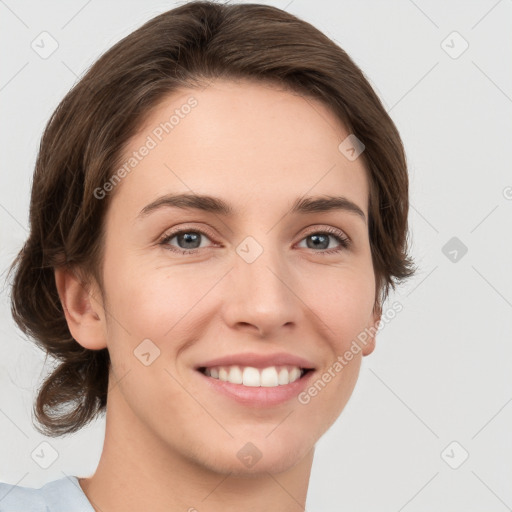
{"points": [[254, 458]]}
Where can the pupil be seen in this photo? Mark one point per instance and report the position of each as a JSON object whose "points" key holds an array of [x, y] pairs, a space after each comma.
{"points": [[324, 241], [188, 238]]}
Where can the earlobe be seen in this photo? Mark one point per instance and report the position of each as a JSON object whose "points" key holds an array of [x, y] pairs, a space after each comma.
{"points": [[83, 312], [370, 344]]}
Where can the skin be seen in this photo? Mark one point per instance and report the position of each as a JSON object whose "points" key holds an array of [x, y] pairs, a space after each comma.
{"points": [[171, 443]]}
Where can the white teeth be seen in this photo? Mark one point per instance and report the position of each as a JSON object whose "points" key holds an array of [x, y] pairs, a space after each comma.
{"points": [[235, 375], [283, 376], [294, 374], [251, 377], [269, 377], [254, 377]]}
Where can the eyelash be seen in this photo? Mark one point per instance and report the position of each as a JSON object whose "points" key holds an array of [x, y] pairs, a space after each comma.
{"points": [[345, 242]]}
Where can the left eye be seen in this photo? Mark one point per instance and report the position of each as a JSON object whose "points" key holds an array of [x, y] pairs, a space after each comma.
{"points": [[320, 240]]}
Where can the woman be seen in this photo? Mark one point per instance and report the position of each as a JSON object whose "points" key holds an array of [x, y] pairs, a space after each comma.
{"points": [[218, 212]]}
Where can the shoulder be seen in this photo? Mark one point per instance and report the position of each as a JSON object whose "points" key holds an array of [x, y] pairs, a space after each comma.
{"points": [[62, 495]]}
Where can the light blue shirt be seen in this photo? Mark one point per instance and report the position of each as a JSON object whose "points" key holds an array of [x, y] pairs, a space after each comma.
{"points": [[63, 495]]}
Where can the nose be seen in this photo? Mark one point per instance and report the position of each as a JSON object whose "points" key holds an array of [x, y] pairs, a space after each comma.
{"points": [[261, 296]]}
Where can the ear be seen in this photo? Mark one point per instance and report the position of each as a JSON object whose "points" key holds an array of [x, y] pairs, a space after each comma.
{"points": [[84, 311], [369, 346]]}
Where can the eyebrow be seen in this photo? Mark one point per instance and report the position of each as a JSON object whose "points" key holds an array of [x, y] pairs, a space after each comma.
{"points": [[218, 206]]}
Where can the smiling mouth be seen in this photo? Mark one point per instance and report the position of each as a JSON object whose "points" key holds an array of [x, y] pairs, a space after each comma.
{"points": [[271, 376]]}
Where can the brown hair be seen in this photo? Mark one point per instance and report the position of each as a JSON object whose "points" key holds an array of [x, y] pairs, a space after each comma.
{"points": [[84, 139]]}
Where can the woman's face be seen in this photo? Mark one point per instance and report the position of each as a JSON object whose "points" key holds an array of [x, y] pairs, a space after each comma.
{"points": [[188, 283]]}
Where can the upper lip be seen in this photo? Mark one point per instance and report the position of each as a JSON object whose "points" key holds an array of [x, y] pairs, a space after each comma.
{"points": [[258, 360]]}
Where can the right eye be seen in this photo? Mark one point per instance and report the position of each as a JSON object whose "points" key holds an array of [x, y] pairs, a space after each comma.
{"points": [[189, 241]]}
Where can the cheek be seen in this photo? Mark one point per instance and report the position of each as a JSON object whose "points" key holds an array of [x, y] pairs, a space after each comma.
{"points": [[343, 300], [153, 302]]}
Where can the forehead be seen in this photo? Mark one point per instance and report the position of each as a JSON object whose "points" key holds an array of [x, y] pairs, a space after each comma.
{"points": [[238, 140]]}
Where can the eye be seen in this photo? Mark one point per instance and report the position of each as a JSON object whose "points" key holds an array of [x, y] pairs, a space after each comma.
{"points": [[322, 239], [188, 241]]}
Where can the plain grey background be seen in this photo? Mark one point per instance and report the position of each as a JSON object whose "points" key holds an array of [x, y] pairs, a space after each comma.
{"points": [[428, 426]]}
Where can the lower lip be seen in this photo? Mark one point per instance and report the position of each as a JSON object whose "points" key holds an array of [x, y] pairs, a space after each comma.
{"points": [[260, 396]]}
